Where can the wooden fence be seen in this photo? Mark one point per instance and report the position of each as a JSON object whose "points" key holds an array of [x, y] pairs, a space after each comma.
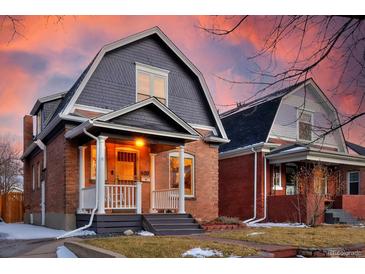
{"points": [[12, 207]]}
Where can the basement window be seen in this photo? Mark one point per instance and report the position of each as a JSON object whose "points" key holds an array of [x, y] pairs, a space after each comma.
{"points": [[151, 82]]}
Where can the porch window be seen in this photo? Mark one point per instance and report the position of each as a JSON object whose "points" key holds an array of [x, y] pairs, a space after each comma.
{"points": [[93, 162], [189, 172], [291, 180], [353, 182], [151, 81], [320, 184], [276, 177], [305, 122]]}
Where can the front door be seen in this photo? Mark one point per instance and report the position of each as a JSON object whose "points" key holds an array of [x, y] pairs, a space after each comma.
{"points": [[126, 166]]}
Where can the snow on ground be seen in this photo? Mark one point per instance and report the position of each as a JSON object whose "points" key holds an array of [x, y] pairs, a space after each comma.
{"points": [[202, 253], [277, 225], [64, 252], [255, 233], [145, 233], [26, 232]]}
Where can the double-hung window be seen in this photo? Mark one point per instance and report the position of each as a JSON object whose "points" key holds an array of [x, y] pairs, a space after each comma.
{"points": [[276, 177], [305, 125], [188, 169], [353, 182], [151, 82]]}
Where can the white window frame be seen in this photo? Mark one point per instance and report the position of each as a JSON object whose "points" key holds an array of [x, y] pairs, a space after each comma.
{"points": [[348, 182], [186, 156], [299, 113], [276, 187], [153, 71], [39, 122]]}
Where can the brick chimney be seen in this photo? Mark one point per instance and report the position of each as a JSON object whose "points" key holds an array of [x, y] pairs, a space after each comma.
{"points": [[27, 131]]}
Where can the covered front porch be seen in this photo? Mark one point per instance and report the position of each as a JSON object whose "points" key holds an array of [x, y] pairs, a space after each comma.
{"points": [[305, 182], [117, 161]]}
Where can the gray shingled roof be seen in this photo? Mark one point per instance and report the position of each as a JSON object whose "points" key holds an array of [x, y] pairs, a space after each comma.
{"points": [[247, 125], [357, 148]]}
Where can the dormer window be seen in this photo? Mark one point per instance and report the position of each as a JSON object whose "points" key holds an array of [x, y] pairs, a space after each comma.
{"points": [[151, 81], [305, 125]]}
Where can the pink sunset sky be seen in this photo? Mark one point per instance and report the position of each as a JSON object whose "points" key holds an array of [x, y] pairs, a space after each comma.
{"points": [[48, 56]]}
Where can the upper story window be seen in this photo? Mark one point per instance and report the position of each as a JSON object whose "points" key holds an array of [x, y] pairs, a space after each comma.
{"points": [[151, 81], [305, 125]]}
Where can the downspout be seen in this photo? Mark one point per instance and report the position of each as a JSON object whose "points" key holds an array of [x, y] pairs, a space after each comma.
{"points": [[96, 190], [265, 195], [254, 188]]}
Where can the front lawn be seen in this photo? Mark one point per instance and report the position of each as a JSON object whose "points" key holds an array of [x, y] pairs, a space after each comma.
{"points": [[321, 236], [165, 247]]}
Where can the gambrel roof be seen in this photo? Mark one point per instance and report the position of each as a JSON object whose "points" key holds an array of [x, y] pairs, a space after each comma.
{"points": [[251, 123]]}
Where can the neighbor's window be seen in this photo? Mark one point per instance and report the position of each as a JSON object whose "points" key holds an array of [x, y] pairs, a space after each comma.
{"points": [[353, 182], [276, 177], [93, 162], [39, 122], [305, 121], [33, 177], [320, 184], [151, 82], [189, 172], [291, 179], [39, 174]]}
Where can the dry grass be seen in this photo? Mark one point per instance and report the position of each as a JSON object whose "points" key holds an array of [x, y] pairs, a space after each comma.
{"points": [[321, 236], [164, 247]]}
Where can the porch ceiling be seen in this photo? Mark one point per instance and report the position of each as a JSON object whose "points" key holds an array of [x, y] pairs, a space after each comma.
{"points": [[310, 154]]}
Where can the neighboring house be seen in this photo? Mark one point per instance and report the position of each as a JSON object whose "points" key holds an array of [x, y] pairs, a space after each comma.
{"points": [[119, 135], [281, 132]]}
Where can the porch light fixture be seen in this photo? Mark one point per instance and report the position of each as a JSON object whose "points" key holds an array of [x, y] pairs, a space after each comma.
{"points": [[139, 142]]}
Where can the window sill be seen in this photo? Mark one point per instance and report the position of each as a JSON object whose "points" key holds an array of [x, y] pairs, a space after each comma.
{"points": [[277, 188]]}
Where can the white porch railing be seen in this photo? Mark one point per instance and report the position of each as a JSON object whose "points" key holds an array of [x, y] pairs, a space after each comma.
{"points": [[166, 198], [88, 195], [120, 196]]}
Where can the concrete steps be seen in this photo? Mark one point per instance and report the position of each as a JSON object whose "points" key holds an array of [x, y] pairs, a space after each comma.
{"points": [[339, 216], [171, 224]]}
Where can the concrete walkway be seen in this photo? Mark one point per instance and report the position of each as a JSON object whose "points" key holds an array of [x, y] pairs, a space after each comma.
{"points": [[43, 248]]}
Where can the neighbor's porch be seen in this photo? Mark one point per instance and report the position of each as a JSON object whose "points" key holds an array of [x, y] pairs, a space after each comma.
{"points": [[302, 180]]}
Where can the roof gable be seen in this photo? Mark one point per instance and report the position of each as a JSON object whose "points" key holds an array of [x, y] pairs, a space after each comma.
{"points": [[148, 114], [153, 31], [250, 126]]}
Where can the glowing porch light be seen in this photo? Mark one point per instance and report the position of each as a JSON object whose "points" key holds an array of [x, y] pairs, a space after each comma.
{"points": [[139, 142]]}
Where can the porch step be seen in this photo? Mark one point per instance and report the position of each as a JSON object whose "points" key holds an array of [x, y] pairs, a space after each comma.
{"points": [[171, 224], [339, 216]]}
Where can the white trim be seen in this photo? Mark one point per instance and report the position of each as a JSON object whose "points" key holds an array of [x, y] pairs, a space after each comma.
{"points": [[172, 46], [304, 111], [152, 71], [276, 187], [90, 108], [146, 102], [186, 156], [348, 182], [294, 140], [259, 147], [203, 127], [273, 121]]}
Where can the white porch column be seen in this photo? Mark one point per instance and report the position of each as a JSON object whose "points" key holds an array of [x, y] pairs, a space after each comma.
{"points": [[101, 174], [181, 180], [139, 198], [81, 177], [152, 182]]}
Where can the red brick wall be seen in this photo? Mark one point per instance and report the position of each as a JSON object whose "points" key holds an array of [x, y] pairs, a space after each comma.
{"points": [[236, 176], [284, 208], [204, 205], [354, 204]]}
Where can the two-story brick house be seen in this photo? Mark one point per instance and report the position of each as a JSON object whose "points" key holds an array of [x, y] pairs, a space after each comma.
{"points": [[275, 141], [137, 133]]}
